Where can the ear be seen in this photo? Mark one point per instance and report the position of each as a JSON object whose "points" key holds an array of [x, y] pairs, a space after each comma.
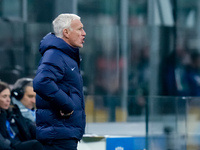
{"points": [[66, 33]]}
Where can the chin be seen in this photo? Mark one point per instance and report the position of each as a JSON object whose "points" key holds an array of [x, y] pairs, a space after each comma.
{"points": [[80, 46], [5, 108]]}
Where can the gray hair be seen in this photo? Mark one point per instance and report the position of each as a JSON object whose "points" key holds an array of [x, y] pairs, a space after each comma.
{"points": [[22, 83], [63, 21]]}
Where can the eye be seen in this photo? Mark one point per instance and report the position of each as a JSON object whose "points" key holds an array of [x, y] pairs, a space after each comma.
{"points": [[30, 96], [81, 28], [4, 96]]}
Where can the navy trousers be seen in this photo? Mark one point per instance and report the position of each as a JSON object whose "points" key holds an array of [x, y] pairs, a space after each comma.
{"points": [[61, 145]]}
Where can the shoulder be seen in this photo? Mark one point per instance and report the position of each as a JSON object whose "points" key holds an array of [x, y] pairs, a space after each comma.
{"points": [[53, 56], [18, 103], [14, 110], [52, 53]]}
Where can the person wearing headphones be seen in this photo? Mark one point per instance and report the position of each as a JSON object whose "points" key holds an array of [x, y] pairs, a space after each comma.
{"points": [[23, 95], [16, 131]]}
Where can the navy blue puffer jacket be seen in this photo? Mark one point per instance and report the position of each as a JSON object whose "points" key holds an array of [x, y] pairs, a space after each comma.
{"points": [[58, 84]]}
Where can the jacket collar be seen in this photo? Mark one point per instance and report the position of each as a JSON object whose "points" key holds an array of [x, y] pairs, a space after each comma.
{"points": [[50, 41]]}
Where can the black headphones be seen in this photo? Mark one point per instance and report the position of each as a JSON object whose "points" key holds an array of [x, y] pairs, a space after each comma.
{"points": [[18, 92]]}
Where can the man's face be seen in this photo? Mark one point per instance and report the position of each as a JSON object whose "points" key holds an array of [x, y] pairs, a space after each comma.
{"points": [[76, 36], [5, 99], [28, 99]]}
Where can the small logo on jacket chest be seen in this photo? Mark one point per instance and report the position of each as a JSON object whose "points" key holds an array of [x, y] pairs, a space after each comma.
{"points": [[73, 68]]}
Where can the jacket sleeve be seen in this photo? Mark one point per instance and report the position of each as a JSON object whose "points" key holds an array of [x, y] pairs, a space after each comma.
{"points": [[4, 143], [50, 71]]}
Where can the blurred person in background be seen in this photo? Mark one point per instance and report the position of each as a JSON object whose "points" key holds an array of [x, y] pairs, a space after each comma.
{"points": [[192, 74], [60, 115], [24, 96], [16, 132], [173, 81], [139, 78]]}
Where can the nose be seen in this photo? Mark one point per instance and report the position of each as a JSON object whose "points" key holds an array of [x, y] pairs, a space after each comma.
{"points": [[84, 33], [33, 100], [8, 99]]}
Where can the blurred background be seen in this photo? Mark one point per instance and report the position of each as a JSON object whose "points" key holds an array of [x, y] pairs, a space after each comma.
{"points": [[140, 66]]}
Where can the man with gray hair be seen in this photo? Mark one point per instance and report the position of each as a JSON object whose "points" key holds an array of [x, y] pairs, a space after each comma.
{"points": [[23, 95], [60, 115]]}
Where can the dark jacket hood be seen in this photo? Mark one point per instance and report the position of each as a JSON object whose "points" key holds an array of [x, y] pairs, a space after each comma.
{"points": [[50, 41]]}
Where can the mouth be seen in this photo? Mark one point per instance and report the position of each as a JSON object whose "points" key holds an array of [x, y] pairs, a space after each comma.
{"points": [[83, 40]]}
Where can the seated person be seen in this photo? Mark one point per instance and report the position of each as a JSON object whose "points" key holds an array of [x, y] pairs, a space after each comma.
{"points": [[24, 96], [16, 132]]}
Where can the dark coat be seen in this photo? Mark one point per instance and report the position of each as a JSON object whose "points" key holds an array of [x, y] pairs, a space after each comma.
{"points": [[58, 84], [23, 128]]}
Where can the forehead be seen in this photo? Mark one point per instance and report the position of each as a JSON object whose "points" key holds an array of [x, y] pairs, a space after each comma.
{"points": [[29, 89], [5, 92], [76, 23]]}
